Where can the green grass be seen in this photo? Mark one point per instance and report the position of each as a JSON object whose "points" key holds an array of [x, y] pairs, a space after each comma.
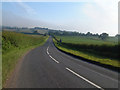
{"points": [[14, 46], [0, 60], [88, 40], [90, 49], [0, 69]]}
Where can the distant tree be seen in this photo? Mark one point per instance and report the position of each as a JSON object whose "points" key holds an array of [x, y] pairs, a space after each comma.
{"points": [[65, 33], [45, 34], [118, 35], [75, 33], [89, 34], [36, 32], [97, 34], [103, 36], [24, 28]]}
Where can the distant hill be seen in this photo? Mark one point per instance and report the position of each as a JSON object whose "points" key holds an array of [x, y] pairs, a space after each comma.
{"points": [[26, 30]]}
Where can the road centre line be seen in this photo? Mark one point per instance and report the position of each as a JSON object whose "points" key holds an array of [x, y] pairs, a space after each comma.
{"points": [[75, 72], [84, 78], [51, 56]]}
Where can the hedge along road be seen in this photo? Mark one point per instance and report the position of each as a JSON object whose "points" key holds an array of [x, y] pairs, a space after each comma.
{"points": [[47, 67]]}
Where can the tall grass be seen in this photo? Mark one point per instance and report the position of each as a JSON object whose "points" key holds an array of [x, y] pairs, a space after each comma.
{"points": [[14, 45]]}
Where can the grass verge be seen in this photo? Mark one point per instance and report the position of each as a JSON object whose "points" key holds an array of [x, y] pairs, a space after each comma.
{"points": [[14, 46], [89, 56]]}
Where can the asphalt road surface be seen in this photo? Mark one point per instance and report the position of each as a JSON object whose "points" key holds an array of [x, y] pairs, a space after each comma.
{"points": [[47, 67]]}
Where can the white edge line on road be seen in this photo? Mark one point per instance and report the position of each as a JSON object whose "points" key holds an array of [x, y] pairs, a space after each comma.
{"points": [[51, 56], [84, 78]]}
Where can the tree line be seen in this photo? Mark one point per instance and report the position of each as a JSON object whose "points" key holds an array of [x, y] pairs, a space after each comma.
{"points": [[102, 36]]}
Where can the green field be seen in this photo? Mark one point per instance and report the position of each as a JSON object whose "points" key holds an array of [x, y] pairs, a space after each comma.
{"points": [[88, 40], [14, 46], [95, 49]]}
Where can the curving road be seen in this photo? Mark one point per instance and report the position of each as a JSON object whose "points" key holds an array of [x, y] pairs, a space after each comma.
{"points": [[47, 67]]}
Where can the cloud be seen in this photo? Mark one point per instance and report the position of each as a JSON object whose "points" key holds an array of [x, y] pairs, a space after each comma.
{"points": [[99, 16], [103, 16], [27, 8]]}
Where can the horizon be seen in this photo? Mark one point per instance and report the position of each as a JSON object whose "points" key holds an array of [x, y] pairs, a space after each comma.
{"points": [[94, 17], [58, 30]]}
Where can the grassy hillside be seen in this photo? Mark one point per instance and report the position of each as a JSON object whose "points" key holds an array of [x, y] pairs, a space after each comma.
{"points": [[27, 30], [94, 49], [14, 45]]}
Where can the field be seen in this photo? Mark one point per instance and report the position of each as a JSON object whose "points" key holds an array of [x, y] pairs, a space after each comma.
{"points": [[27, 31], [95, 49], [15, 45], [88, 40]]}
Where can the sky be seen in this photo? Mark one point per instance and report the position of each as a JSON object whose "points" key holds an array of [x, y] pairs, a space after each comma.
{"points": [[96, 16]]}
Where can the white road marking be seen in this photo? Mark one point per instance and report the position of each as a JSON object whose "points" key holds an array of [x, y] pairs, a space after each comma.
{"points": [[51, 56], [54, 59], [47, 52], [84, 79], [47, 48]]}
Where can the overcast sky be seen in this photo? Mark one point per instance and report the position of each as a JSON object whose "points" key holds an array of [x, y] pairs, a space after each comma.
{"points": [[95, 16]]}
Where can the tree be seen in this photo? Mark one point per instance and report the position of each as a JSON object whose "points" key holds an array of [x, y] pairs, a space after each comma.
{"points": [[89, 34], [118, 35], [103, 36], [35, 31]]}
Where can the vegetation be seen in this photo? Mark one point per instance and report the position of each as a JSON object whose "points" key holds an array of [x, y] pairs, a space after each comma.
{"points": [[103, 36], [105, 52], [88, 40], [14, 45], [0, 60]]}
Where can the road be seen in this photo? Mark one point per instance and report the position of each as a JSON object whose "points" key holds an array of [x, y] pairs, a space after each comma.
{"points": [[47, 67]]}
